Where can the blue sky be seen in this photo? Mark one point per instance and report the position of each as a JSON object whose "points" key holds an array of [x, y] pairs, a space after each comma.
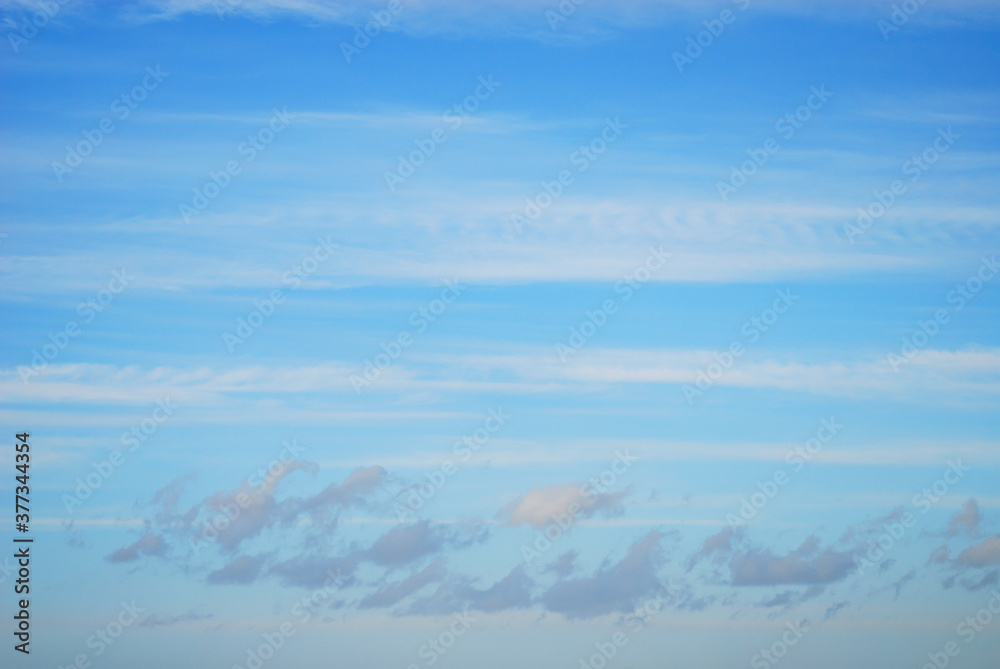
{"points": [[504, 339]]}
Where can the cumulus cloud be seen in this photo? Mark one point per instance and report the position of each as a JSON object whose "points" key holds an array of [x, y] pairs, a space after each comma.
{"points": [[564, 565], [228, 519], [315, 571], [242, 570], [811, 564], [789, 598], [410, 542], [613, 588], [808, 564], [897, 586], [353, 491], [394, 593], [460, 593], [542, 506], [834, 609], [245, 512], [406, 543], [717, 545], [973, 582], [967, 521], [147, 544], [986, 553]]}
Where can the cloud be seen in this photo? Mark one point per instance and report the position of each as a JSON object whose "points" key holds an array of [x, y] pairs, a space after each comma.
{"points": [[965, 377], [897, 586], [410, 542], [394, 593], [984, 554], [834, 609], [353, 491], [157, 620], [564, 565], [147, 544], [716, 545], [315, 571], [972, 583], [613, 588], [965, 522], [459, 593], [226, 520], [245, 512], [808, 565], [790, 598], [241, 570], [407, 543], [541, 506], [597, 19]]}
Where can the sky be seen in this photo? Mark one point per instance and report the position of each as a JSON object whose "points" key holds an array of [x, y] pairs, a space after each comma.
{"points": [[620, 334]]}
